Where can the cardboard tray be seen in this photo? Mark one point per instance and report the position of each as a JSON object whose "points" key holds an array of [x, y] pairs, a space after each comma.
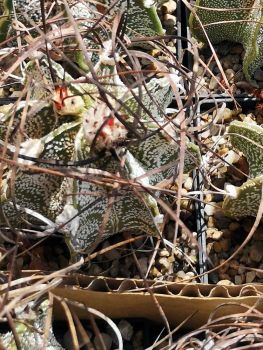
{"points": [[126, 298]]}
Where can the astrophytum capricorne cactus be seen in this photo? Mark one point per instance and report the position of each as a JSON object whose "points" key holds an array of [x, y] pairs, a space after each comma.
{"points": [[77, 122], [244, 200], [235, 20]]}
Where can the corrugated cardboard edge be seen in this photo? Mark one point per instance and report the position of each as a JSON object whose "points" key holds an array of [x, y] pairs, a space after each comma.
{"points": [[125, 298]]}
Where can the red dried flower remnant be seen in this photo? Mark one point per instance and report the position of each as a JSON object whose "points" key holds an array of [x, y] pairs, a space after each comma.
{"points": [[61, 92]]}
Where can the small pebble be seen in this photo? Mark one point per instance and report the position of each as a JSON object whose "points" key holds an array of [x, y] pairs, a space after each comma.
{"points": [[190, 274], [250, 119], [180, 275], [126, 329], [169, 7], [214, 234], [230, 74], [210, 222], [232, 157], [256, 251], [238, 279], [228, 114], [225, 282], [178, 253], [200, 71], [208, 197], [164, 262], [143, 262], [155, 272], [223, 151], [169, 20], [213, 84], [164, 253], [193, 259], [233, 264], [210, 208], [171, 259], [188, 184], [250, 276]]}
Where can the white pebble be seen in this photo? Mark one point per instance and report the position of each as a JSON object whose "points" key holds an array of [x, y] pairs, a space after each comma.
{"points": [[188, 184], [250, 276], [210, 208], [232, 157], [126, 329]]}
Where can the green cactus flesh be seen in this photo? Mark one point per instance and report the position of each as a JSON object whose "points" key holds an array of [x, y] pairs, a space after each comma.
{"points": [[30, 330], [5, 18], [64, 130], [63, 138], [140, 21], [247, 199], [235, 20], [248, 139], [129, 211]]}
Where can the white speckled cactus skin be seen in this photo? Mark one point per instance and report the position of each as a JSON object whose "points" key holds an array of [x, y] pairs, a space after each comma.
{"points": [[141, 18], [243, 25], [248, 139], [64, 139], [28, 337], [66, 124]]}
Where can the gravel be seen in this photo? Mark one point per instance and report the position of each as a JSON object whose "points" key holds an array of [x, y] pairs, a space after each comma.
{"points": [[230, 56], [225, 235]]}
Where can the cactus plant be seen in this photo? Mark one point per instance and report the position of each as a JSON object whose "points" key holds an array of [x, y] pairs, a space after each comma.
{"points": [[71, 140], [245, 200], [80, 122], [25, 327], [239, 21]]}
